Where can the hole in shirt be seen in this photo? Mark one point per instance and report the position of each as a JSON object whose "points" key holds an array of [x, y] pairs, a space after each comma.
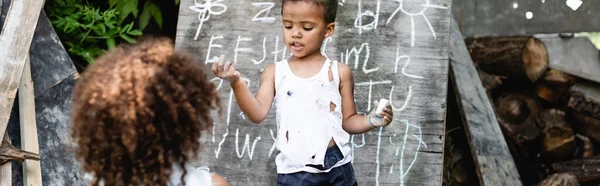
{"points": [[332, 106], [287, 136]]}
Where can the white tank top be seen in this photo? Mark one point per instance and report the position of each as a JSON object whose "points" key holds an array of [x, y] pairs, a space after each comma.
{"points": [[305, 122]]}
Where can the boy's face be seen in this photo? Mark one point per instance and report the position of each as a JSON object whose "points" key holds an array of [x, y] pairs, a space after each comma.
{"points": [[304, 28]]}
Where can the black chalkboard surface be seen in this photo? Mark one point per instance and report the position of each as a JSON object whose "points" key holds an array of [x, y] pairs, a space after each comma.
{"points": [[397, 49]]}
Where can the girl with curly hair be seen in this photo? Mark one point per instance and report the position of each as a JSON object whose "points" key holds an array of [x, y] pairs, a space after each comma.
{"points": [[138, 113]]}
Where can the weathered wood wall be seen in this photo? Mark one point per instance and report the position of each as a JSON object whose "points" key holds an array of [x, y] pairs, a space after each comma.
{"points": [[397, 49]]}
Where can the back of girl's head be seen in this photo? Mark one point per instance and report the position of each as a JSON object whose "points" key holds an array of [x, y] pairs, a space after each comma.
{"points": [[329, 8], [138, 110]]}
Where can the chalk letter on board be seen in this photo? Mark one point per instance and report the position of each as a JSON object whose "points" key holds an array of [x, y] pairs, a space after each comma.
{"points": [[264, 52], [211, 45], [274, 143], [246, 146], [324, 45], [205, 10], [356, 54], [238, 49], [358, 22], [277, 50], [398, 58], [370, 84], [265, 12], [408, 96]]}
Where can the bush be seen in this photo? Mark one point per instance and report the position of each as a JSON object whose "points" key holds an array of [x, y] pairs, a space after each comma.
{"points": [[88, 28]]}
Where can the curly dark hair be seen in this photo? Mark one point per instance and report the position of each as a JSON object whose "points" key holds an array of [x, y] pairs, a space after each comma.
{"points": [[139, 110]]}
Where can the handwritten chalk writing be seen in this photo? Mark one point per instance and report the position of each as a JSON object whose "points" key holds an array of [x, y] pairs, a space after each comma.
{"points": [[355, 145], [205, 10], [218, 88], [377, 163], [264, 55], [218, 150], [246, 146], [324, 45], [354, 52], [370, 84], [274, 143], [210, 46], [238, 49], [398, 58], [265, 12], [408, 96], [404, 172], [425, 6], [358, 22], [277, 51]]}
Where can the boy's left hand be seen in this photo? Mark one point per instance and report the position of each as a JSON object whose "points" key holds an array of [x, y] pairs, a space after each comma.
{"points": [[387, 115]]}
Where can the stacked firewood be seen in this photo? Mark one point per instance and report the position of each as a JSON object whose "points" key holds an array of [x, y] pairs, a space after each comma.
{"points": [[550, 119]]}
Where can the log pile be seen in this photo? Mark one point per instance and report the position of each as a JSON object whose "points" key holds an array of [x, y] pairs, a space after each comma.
{"points": [[550, 119]]}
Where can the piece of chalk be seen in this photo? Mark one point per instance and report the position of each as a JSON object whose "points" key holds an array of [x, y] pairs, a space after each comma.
{"points": [[380, 106]]}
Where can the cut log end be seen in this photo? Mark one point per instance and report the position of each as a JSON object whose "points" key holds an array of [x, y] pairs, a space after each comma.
{"points": [[518, 58], [558, 142], [535, 59], [517, 114], [553, 86]]}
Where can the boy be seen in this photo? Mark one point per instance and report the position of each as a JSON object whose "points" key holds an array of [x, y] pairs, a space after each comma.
{"points": [[314, 99], [138, 113]]}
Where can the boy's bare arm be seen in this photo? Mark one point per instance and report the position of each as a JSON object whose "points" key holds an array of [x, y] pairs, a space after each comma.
{"points": [[256, 108], [354, 123]]}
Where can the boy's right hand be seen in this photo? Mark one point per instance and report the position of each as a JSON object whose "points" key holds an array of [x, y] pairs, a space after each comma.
{"points": [[225, 70]]}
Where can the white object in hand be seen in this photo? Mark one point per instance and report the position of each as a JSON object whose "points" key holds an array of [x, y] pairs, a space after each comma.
{"points": [[382, 103]]}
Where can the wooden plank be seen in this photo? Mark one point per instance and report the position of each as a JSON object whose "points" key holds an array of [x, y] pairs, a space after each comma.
{"points": [[493, 161], [576, 56], [32, 172], [501, 18], [15, 40], [53, 75], [390, 59], [5, 170]]}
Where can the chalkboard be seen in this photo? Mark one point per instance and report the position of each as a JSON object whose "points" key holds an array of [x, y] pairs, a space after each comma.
{"points": [[397, 49], [508, 18]]}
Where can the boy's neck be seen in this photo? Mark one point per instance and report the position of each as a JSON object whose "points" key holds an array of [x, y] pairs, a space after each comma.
{"points": [[316, 57]]}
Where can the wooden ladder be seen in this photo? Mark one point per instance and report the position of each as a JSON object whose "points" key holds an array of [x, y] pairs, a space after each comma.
{"points": [[15, 40]]}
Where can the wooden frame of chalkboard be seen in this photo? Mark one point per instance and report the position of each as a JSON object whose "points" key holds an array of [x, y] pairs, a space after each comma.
{"points": [[397, 50]]}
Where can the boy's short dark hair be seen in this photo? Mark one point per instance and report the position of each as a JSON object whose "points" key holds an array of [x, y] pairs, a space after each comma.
{"points": [[329, 8]]}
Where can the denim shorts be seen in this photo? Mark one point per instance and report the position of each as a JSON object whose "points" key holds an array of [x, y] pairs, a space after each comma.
{"points": [[339, 176]]}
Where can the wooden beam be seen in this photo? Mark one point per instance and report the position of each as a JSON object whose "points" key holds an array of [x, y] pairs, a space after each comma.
{"points": [[32, 172], [6, 169], [577, 56], [493, 161], [15, 40]]}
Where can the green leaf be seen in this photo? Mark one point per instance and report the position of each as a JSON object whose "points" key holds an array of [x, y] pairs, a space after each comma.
{"points": [[102, 28], [135, 32], [114, 2], [176, 2], [128, 39], [110, 42], [127, 7], [150, 10]]}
